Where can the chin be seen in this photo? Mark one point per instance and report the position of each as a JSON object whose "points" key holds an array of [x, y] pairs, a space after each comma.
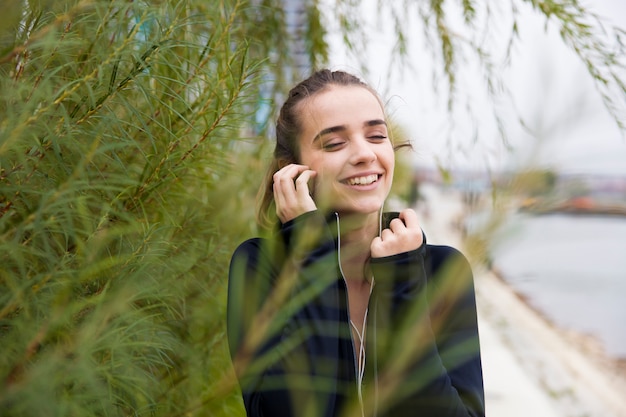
{"points": [[363, 209]]}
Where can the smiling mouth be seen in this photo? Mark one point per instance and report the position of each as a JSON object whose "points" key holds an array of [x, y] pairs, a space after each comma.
{"points": [[365, 180]]}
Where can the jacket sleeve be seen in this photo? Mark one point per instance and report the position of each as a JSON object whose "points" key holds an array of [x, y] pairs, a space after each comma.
{"points": [[427, 305], [282, 324]]}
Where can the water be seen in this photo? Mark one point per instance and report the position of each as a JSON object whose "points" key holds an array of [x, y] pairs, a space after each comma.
{"points": [[572, 269]]}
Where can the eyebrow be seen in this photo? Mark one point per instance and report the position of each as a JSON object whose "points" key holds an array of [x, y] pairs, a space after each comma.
{"points": [[375, 122], [341, 128]]}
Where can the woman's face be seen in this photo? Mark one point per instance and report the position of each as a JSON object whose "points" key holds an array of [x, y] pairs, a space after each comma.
{"points": [[345, 140]]}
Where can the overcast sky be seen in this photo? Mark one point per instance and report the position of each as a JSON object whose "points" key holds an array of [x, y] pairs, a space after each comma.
{"points": [[551, 91]]}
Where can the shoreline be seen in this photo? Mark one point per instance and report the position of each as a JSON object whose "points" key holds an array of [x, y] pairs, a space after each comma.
{"points": [[530, 365], [575, 380], [587, 344]]}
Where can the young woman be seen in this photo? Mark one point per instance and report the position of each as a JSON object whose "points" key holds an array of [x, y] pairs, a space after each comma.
{"points": [[344, 310]]}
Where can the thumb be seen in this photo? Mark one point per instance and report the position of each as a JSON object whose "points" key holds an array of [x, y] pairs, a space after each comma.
{"points": [[376, 247]]}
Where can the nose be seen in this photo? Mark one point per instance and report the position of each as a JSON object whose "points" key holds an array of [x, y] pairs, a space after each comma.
{"points": [[362, 151]]}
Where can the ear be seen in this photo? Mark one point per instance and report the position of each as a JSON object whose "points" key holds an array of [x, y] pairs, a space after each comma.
{"points": [[282, 162]]}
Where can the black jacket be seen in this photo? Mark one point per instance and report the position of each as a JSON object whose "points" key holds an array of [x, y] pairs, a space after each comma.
{"points": [[290, 337]]}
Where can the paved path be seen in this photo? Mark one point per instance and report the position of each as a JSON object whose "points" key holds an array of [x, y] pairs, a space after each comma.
{"points": [[509, 390]]}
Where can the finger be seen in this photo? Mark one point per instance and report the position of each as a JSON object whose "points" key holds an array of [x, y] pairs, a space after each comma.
{"points": [[284, 182], [396, 225], [289, 172], [302, 183], [386, 234], [279, 198], [410, 219], [284, 191], [375, 247], [291, 191]]}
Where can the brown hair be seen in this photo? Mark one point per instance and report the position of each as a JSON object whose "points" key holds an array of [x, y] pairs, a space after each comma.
{"points": [[288, 128]]}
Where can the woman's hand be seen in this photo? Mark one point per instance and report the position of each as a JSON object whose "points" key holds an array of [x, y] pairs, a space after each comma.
{"points": [[404, 234], [291, 191]]}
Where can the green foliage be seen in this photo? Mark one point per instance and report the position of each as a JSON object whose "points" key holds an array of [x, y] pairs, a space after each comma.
{"points": [[600, 48], [534, 183], [117, 144], [404, 184], [125, 185], [315, 37], [459, 34]]}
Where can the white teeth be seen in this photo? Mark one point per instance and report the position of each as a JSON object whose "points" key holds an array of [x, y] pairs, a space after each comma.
{"points": [[363, 180]]}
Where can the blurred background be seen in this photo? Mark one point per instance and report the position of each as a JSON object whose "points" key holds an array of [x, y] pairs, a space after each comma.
{"points": [[529, 168], [133, 137]]}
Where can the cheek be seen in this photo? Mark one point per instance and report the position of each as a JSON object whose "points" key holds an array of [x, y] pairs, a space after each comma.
{"points": [[323, 186], [327, 166], [308, 158], [392, 167], [390, 160], [314, 161], [314, 164]]}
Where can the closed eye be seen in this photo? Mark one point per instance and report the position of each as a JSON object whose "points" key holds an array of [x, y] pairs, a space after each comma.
{"points": [[329, 146]]}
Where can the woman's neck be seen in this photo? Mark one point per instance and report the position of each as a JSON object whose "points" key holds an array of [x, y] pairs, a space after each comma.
{"points": [[357, 233]]}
